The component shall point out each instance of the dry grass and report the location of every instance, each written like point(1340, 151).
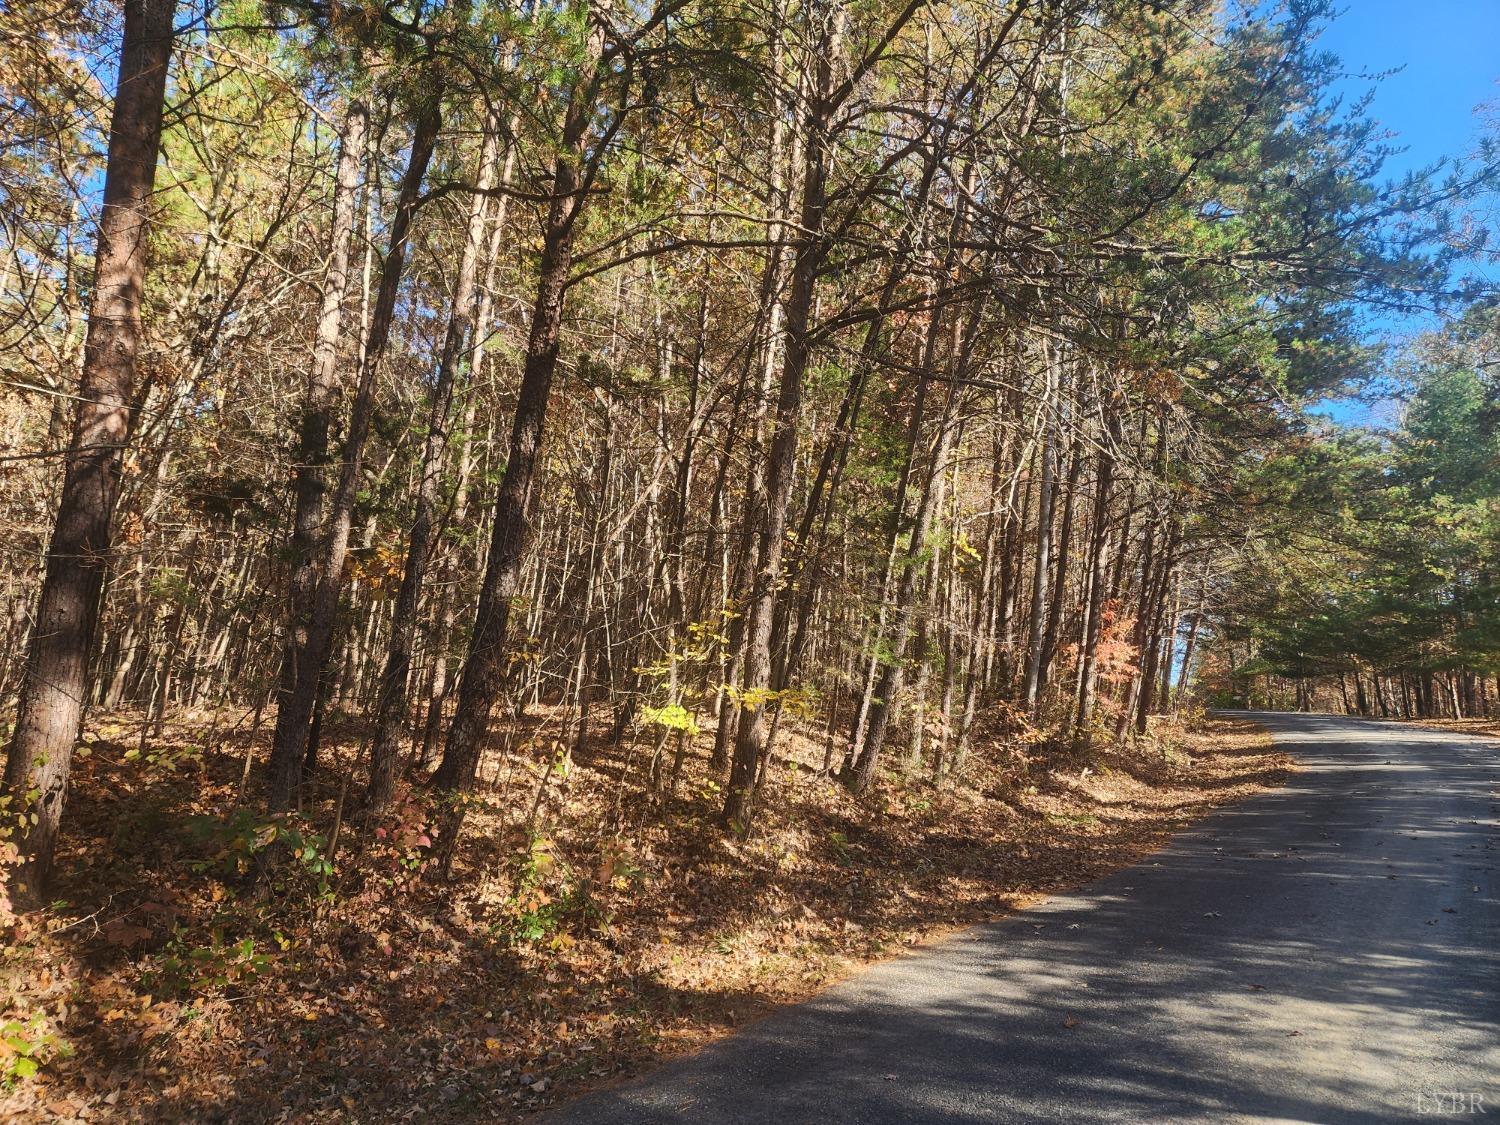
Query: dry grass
point(623, 927)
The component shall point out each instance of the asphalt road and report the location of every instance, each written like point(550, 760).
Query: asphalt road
point(1323, 953)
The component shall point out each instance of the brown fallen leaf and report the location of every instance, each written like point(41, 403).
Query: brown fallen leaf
point(1070, 1022)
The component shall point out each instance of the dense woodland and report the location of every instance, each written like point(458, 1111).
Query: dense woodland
point(701, 369)
point(686, 380)
point(1383, 598)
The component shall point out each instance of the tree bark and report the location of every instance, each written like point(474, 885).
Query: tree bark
point(392, 698)
point(753, 703)
point(313, 460)
point(300, 685)
point(510, 537)
point(51, 704)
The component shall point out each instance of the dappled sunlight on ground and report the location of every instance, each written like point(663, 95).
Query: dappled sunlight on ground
point(630, 928)
point(1323, 953)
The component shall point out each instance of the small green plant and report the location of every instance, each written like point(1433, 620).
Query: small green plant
point(168, 758)
point(840, 845)
point(543, 898)
point(188, 968)
point(28, 1044)
point(246, 842)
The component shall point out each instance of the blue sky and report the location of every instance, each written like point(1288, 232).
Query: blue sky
point(1449, 55)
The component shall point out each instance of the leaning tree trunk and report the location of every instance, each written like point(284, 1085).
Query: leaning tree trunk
point(392, 697)
point(52, 695)
point(893, 670)
point(751, 730)
point(294, 715)
point(313, 462)
point(484, 667)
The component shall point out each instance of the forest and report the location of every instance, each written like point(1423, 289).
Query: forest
point(1391, 607)
point(466, 464)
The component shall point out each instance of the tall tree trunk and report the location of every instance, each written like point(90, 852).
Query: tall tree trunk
point(1052, 634)
point(452, 564)
point(309, 659)
point(313, 459)
point(56, 684)
point(1154, 609)
point(769, 507)
point(1188, 649)
point(1168, 647)
point(783, 156)
point(1088, 673)
point(752, 733)
point(1042, 564)
point(983, 620)
point(391, 701)
point(510, 536)
point(836, 450)
point(892, 675)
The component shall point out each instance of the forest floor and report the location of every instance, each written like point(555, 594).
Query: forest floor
point(590, 926)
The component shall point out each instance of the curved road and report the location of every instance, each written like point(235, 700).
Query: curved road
point(1323, 953)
